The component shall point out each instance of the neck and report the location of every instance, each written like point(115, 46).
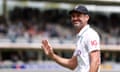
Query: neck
point(79, 29)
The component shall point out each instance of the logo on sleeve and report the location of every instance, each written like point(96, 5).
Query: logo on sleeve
point(94, 43)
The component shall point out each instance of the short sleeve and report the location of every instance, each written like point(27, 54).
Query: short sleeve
point(75, 52)
point(93, 42)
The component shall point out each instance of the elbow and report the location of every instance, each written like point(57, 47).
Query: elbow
point(72, 64)
point(72, 68)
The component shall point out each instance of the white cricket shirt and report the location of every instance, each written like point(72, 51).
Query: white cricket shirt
point(87, 41)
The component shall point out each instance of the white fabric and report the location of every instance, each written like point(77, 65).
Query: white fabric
point(87, 41)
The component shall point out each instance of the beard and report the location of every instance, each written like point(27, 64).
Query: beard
point(77, 25)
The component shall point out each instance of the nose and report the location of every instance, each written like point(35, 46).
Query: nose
point(74, 18)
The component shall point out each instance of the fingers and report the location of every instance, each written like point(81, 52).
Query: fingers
point(45, 44)
point(46, 47)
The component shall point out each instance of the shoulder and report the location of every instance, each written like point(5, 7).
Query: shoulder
point(91, 30)
point(91, 33)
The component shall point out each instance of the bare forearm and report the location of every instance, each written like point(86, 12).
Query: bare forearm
point(63, 61)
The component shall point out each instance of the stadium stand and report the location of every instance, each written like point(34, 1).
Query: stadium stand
point(20, 38)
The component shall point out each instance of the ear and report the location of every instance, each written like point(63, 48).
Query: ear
point(87, 17)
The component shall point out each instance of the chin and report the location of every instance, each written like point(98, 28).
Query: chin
point(77, 25)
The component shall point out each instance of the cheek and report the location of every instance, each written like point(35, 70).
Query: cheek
point(84, 19)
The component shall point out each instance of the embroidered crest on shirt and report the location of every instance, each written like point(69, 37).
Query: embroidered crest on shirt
point(93, 42)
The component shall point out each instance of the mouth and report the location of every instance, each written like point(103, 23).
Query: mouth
point(76, 22)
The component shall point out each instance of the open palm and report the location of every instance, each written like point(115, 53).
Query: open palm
point(47, 48)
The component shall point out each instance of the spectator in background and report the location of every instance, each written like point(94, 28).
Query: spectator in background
point(51, 29)
point(12, 33)
point(3, 30)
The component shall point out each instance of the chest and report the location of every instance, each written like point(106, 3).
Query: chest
point(81, 44)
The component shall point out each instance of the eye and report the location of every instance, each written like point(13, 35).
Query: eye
point(80, 15)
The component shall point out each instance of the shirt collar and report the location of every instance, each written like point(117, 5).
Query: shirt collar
point(83, 30)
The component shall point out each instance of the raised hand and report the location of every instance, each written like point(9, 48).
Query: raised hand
point(47, 48)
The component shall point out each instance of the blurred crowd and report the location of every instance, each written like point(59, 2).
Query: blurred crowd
point(33, 23)
point(29, 22)
point(55, 23)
